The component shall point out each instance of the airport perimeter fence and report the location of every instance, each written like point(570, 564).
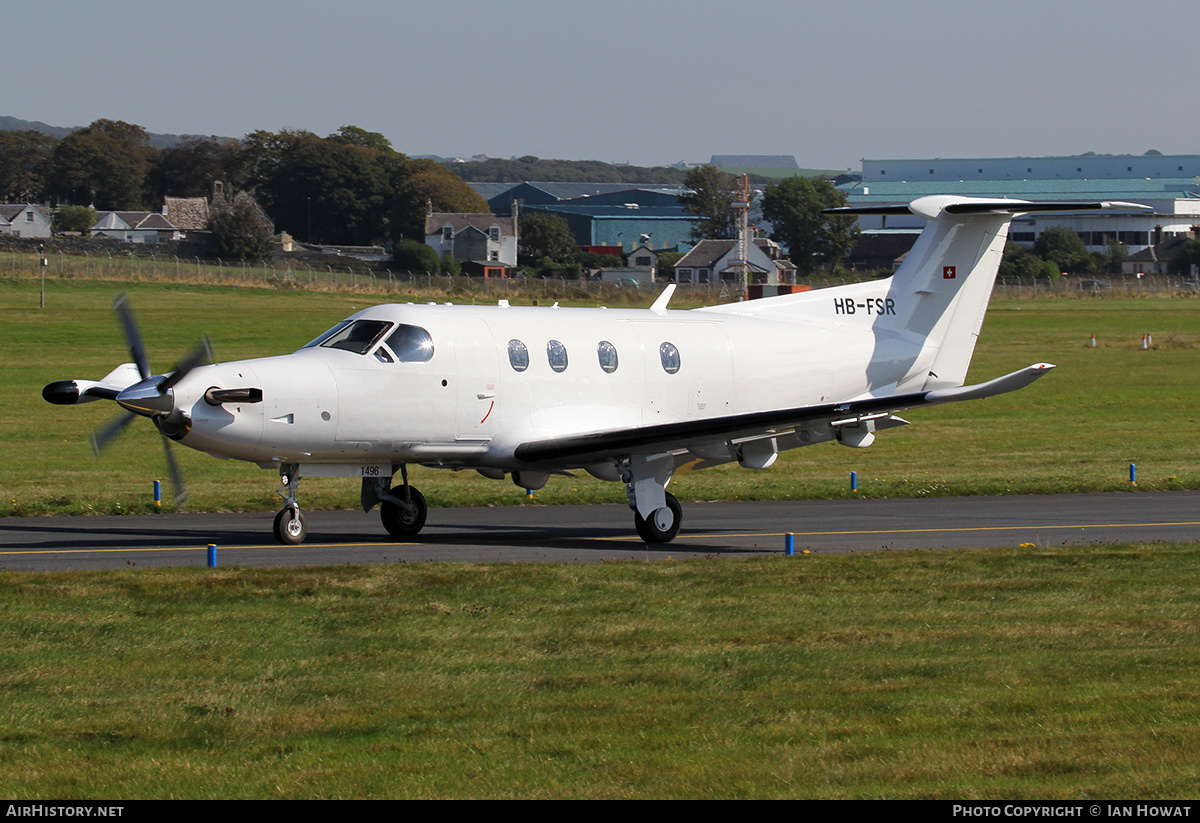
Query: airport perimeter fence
point(294, 275)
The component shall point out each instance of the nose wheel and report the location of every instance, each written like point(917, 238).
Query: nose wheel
point(290, 527)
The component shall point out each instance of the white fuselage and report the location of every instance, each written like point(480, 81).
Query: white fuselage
point(469, 405)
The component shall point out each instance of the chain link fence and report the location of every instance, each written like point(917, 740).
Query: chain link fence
point(122, 266)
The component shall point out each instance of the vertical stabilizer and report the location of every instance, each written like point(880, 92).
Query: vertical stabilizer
point(941, 291)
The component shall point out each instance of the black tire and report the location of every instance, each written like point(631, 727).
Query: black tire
point(649, 531)
point(400, 522)
point(290, 527)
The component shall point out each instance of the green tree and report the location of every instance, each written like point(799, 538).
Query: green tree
point(417, 184)
point(329, 192)
point(74, 218)
point(1110, 261)
point(1065, 248)
point(415, 256)
point(710, 199)
point(24, 163)
point(240, 231)
point(188, 169)
point(104, 165)
point(666, 263)
point(814, 240)
point(543, 238)
point(363, 139)
point(1188, 256)
point(1019, 263)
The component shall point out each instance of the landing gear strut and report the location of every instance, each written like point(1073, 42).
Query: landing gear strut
point(290, 526)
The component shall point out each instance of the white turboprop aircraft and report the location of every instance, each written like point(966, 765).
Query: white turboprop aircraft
point(629, 396)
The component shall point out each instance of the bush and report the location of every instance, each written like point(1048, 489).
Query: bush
point(415, 256)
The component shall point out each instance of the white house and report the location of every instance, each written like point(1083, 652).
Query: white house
point(136, 226)
point(711, 261)
point(486, 242)
point(24, 220)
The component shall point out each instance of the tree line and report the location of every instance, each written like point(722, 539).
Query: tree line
point(349, 188)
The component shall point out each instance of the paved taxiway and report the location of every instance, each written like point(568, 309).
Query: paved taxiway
point(581, 534)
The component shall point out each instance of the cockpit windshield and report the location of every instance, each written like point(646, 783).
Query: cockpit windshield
point(357, 336)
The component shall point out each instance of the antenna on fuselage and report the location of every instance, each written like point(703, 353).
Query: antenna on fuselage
point(660, 305)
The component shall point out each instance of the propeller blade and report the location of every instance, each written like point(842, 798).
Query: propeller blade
point(132, 336)
point(102, 437)
point(180, 490)
point(200, 355)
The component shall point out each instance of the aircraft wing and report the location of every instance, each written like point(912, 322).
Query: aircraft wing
point(597, 446)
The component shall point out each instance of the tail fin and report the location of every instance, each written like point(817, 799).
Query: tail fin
point(941, 291)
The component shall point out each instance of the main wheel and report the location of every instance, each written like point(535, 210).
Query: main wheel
point(663, 524)
point(405, 519)
point(290, 527)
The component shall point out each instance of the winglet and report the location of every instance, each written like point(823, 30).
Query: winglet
point(660, 305)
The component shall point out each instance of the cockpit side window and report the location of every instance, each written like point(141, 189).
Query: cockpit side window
point(411, 344)
point(358, 336)
point(325, 335)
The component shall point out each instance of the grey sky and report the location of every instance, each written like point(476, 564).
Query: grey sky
point(645, 82)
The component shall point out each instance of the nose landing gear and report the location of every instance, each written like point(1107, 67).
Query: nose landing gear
point(290, 526)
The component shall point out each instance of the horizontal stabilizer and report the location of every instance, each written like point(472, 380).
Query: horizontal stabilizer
point(934, 205)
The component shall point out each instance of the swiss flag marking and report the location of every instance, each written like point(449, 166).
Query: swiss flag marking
point(947, 272)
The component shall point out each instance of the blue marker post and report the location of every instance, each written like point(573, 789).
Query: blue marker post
point(1133, 472)
point(212, 555)
point(789, 544)
point(157, 493)
point(853, 481)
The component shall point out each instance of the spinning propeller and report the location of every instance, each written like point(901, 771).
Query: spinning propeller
point(152, 396)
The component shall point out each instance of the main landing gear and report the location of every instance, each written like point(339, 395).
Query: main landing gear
point(657, 515)
point(402, 509)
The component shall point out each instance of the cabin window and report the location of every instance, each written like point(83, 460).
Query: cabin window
point(358, 336)
point(412, 344)
point(556, 353)
point(518, 355)
point(670, 357)
point(607, 353)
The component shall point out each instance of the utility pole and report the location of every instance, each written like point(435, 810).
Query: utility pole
point(42, 263)
point(742, 207)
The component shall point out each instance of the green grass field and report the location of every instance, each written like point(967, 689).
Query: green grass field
point(1077, 429)
point(1018, 673)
